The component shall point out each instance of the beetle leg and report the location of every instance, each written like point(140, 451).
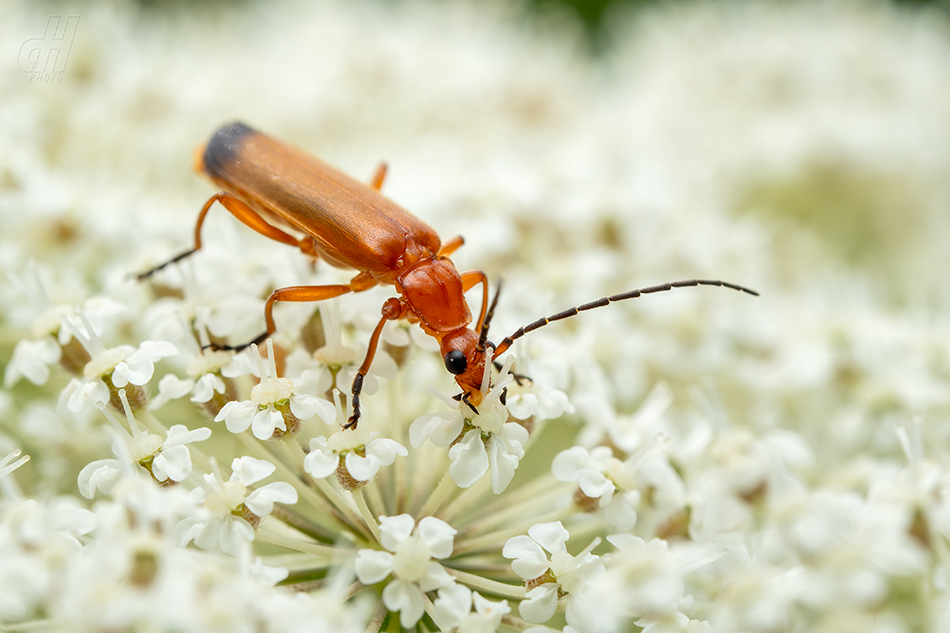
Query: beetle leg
point(242, 212)
point(451, 246)
point(379, 176)
point(291, 293)
point(392, 310)
point(469, 280)
point(470, 405)
point(362, 281)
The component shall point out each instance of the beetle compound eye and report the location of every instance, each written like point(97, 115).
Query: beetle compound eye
point(456, 362)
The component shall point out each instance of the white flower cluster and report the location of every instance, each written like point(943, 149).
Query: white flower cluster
point(691, 461)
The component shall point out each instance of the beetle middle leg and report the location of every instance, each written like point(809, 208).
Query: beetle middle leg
point(451, 246)
point(379, 176)
point(359, 283)
point(248, 217)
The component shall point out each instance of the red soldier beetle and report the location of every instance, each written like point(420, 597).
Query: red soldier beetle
point(266, 183)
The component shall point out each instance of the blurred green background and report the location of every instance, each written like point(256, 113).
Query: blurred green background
point(593, 16)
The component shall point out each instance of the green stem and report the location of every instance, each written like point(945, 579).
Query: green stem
point(367, 515)
point(515, 592)
point(515, 509)
point(438, 496)
point(304, 491)
point(375, 500)
point(499, 537)
point(329, 492)
point(300, 545)
point(466, 500)
point(379, 616)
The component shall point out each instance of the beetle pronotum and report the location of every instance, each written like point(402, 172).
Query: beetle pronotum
point(348, 224)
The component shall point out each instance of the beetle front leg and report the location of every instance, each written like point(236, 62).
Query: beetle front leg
point(392, 310)
point(470, 279)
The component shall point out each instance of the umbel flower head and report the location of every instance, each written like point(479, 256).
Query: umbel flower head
point(354, 454)
point(688, 462)
point(478, 441)
point(411, 549)
point(275, 408)
point(230, 510)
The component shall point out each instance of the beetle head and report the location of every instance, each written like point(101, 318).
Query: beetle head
point(463, 352)
point(463, 358)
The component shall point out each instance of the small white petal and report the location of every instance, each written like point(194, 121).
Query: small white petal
point(505, 455)
point(495, 610)
point(452, 606)
point(373, 565)
point(395, 530)
point(237, 415)
point(442, 428)
point(304, 406)
point(316, 381)
point(249, 470)
point(197, 528)
point(266, 422)
point(620, 513)
point(240, 365)
point(171, 387)
point(232, 534)
point(154, 351)
point(385, 450)
point(82, 392)
point(529, 559)
point(540, 603)
point(523, 405)
point(140, 365)
point(261, 501)
point(205, 387)
point(469, 459)
point(406, 598)
point(31, 359)
point(266, 574)
point(582, 614)
point(173, 463)
point(320, 462)
point(100, 475)
point(180, 434)
point(121, 374)
point(438, 536)
point(594, 483)
point(555, 404)
point(436, 576)
point(566, 464)
point(361, 468)
point(551, 536)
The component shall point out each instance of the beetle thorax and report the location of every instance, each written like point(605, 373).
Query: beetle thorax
point(432, 289)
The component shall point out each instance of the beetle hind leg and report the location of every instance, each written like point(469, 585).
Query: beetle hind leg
point(249, 217)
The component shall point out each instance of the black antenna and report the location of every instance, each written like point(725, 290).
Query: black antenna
point(632, 294)
point(483, 335)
